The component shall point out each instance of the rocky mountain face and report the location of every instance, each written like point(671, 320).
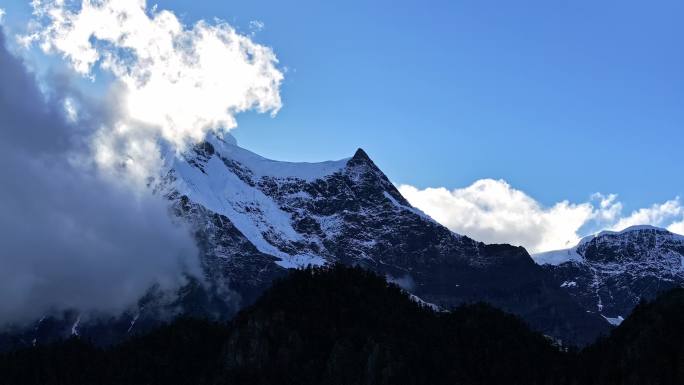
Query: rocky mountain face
point(609, 273)
point(255, 218)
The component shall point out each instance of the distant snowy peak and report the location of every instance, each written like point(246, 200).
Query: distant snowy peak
point(610, 272)
point(633, 243)
point(631, 233)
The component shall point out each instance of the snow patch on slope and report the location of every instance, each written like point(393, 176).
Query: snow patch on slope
point(615, 321)
point(420, 301)
point(250, 210)
point(74, 327)
point(556, 257)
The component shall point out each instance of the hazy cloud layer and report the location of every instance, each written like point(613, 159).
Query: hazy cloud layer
point(495, 212)
point(71, 239)
point(174, 82)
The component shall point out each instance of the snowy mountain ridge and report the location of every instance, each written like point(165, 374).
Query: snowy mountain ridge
point(255, 218)
point(556, 257)
point(610, 272)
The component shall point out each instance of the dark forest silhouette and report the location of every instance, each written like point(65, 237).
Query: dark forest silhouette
point(345, 325)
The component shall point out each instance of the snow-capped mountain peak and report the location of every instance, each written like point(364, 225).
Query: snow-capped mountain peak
point(290, 210)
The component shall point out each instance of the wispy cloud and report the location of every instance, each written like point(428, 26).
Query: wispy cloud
point(493, 211)
point(256, 26)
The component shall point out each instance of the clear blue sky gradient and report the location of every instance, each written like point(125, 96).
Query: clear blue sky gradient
point(560, 98)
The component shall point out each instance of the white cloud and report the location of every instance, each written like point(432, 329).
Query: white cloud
point(656, 215)
point(175, 82)
point(492, 211)
point(2, 14)
point(677, 227)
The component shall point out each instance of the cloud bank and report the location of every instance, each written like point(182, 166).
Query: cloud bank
point(173, 82)
point(494, 212)
point(71, 238)
point(81, 230)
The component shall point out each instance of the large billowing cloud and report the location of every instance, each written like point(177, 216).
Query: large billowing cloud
point(493, 211)
point(174, 82)
point(71, 239)
point(80, 228)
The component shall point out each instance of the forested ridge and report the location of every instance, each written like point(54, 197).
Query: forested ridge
point(345, 325)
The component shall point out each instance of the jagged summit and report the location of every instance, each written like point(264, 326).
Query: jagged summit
point(361, 156)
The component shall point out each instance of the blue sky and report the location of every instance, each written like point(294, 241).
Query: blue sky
point(560, 99)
